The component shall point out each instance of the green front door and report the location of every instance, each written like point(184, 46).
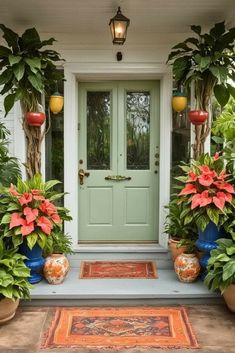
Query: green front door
point(118, 147)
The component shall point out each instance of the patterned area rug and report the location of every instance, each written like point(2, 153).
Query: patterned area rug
point(120, 327)
point(115, 269)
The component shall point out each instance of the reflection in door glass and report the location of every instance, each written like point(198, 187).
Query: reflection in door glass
point(98, 130)
point(138, 129)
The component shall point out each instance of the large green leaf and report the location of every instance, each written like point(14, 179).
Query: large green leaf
point(34, 62)
point(19, 70)
point(231, 90)
point(9, 102)
point(229, 270)
point(213, 215)
point(32, 239)
point(221, 73)
point(36, 82)
point(179, 67)
point(14, 59)
point(217, 30)
point(196, 29)
point(4, 52)
point(10, 36)
point(5, 76)
point(221, 94)
point(31, 38)
point(49, 184)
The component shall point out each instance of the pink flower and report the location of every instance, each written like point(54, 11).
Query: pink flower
point(12, 191)
point(37, 195)
point(48, 207)
point(16, 220)
point(219, 200)
point(189, 189)
point(207, 171)
point(25, 198)
point(205, 179)
point(192, 177)
point(56, 218)
point(27, 228)
point(31, 214)
point(201, 200)
point(45, 224)
point(216, 156)
point(224, 186)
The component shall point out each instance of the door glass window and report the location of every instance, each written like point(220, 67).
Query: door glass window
point(98, 129)
point(138, 129)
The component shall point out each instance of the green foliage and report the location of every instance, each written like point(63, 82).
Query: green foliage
point(58, 243)
point(207, 59)
point(9, 166)
point(13, 274)
point(221, 266)
point(27, 68)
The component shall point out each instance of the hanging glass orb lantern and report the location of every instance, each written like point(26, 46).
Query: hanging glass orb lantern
point(179, 101)
point(56, 103)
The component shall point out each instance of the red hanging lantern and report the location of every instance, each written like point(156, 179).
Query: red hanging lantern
point(198, 117)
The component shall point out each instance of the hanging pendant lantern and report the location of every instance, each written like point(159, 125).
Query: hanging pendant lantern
point(179, 101)
point(118, 26)
point(56, 103)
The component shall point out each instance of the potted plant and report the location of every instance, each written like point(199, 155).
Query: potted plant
point(56, 264)
point(208, 196)
point(28, 216)
point(221, 270)
point(208, 61)
point(28, 71)
point(14, 283)
point(182, 235)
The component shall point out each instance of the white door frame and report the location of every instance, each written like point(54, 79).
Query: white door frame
point(113, 71)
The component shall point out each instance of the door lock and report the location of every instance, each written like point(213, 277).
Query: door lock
point(82, 174)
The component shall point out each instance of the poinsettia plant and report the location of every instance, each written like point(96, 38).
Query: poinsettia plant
point(28, 211)
point(207, 192)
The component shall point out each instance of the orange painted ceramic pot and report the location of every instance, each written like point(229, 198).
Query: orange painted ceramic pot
point(56, 268)
point(187, 267)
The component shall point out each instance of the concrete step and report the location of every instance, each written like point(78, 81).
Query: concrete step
point(167, 289)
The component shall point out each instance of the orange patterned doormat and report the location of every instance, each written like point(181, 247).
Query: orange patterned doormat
point(118, 269)
point(120, 327)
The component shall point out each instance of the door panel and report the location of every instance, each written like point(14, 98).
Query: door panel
point(118, 141)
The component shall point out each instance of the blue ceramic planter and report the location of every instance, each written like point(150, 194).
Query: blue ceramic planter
point(207, 242)
point(34, 262)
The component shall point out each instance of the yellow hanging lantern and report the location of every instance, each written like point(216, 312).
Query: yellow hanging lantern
point(56, 102)
point(179, 102)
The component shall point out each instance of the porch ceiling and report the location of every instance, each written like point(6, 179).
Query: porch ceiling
point(92, 16)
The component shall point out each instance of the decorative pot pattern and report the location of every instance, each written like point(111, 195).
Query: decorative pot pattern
point(187, 267)
point(55, 268)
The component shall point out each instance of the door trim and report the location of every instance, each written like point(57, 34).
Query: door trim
point(111, 71)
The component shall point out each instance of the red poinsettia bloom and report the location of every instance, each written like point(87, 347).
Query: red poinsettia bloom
point(192, 177)
point(216, 156)
point(205, 179)
point(12, 191)
point(25, 198)
point(189, 189)
point(225, 186)
point(222, 175)
point(31, 214)
point(45, 224)
point(56, 218)
point(16, 220)
point(27, 228)
point(201, 200)
point(48, 207)
point(219, 200)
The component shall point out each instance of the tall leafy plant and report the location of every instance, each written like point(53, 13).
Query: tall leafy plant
point(28, 71)
point(208, 60)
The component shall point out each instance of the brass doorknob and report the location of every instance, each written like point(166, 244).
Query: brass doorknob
point(82, 174)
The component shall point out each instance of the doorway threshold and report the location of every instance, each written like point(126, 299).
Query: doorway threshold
point(120, 248)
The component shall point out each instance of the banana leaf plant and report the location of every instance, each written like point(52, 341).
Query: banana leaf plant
point(208, 60)
point(28, 72)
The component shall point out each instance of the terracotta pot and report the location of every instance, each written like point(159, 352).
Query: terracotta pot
point(35, 118)
point(187, 267)
point(7, 309)
point(56, 268)
point(229, 297)
point(174, 250)
point(198, 117)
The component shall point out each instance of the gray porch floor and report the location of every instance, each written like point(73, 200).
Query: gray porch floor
point(164, 290)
